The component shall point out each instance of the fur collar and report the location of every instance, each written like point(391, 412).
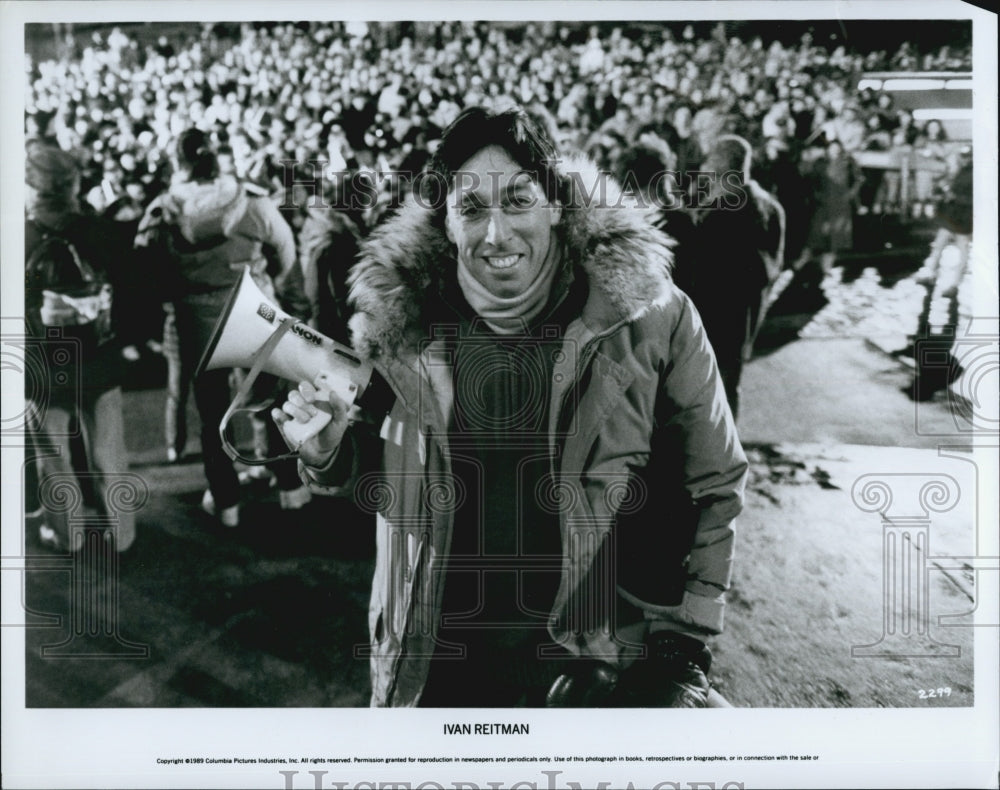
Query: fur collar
point(397, 286)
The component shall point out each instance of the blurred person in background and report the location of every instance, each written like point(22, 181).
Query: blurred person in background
point(905, 127)
point(648, 169)
point(954, 219)
point(328, 246)
point(886, 111)
point(877, 138)
point(778, 171)
point(196, 238)
point(889, 196)
point(929, 167)
point(74, 270)
point(834, 181)
point(937, 326)
point(736, 252)
point(847, 128)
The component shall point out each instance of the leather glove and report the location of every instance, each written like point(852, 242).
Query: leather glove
point(584, 684)
point(672, 675)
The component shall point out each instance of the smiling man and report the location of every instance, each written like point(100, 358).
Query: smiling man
point(502, 227)
point(557, 470)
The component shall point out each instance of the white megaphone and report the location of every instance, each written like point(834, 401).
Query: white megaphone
point(253, 332)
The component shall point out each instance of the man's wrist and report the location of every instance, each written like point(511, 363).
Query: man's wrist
point(321, 460)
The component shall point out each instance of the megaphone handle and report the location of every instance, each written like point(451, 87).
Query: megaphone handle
point(298, 432)
point(243, 393)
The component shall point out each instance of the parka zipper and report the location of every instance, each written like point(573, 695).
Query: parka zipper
point(413, 571)
point(415, 575)
point(586, 355)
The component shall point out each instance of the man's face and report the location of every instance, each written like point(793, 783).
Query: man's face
point(500, 221)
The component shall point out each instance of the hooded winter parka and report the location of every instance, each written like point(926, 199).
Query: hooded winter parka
point(649, 470)
point(199, 235)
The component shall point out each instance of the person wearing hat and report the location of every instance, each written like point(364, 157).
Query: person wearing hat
point(556, 472)
point(71, 287)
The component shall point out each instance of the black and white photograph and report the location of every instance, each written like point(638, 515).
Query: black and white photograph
point(613, 386)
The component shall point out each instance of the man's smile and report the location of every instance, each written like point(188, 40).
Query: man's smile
point(502, 263)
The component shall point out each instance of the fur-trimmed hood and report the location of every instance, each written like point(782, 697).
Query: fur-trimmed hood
point(406, 265)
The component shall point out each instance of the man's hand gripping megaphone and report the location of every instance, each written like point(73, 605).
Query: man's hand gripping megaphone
point(313, 419)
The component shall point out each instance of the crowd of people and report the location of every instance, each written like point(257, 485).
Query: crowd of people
point(372, 96)
point(270, 99)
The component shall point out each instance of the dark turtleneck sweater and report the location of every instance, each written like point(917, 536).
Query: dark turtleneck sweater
point(506, 550)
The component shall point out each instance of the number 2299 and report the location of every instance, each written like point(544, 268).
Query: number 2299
point(934, 693)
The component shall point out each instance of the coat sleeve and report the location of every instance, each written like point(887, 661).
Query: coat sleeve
point(714, 469)
point(338, 476)
point(275, 233)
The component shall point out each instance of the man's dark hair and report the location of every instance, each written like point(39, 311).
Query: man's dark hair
point(194, 151)
point(476, 128)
